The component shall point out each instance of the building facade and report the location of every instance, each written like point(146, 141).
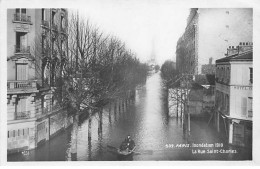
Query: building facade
point(208, 33)
point(36, 38)
point(233, 100)
point(208, 69)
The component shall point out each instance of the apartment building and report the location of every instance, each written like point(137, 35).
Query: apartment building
point(36, 40)
point(234, 97)
point(208, 33)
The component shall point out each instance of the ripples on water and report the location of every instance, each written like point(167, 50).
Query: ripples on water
point(145, 120)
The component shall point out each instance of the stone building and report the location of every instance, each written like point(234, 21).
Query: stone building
point(208, 33)
point(32, 47)
point(233, 99)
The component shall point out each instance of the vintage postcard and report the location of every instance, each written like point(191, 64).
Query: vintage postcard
point(129, 81)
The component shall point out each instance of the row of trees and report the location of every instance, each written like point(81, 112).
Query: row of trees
point(177, 88)
point(88, 70)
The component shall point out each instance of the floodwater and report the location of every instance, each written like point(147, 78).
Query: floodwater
point(157, 136)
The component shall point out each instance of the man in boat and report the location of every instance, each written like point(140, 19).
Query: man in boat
point(130, 142)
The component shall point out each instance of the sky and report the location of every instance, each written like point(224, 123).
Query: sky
point(145, 27)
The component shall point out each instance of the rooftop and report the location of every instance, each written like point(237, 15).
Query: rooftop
point(246, 56)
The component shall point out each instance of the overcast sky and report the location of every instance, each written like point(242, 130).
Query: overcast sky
point(140, 25)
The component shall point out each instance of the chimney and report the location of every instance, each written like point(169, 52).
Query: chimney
point(245, 46)
point(232, 50)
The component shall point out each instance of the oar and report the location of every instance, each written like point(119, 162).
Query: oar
point(149, 152)
point(111, 147)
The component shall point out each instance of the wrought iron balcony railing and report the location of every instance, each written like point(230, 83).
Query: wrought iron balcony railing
point(21, 84)
point(22, 18)
point(21, 49)
point(22, 115)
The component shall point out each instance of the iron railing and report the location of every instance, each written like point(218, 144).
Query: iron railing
point(21, 84)
point(21, 49)
point(22, 115)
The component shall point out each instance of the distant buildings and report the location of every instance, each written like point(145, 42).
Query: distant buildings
point(208, 68)
point(32, 47)
point(207, 35)
point(233, 99)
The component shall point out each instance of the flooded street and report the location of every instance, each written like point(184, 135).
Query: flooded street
point(154, 133)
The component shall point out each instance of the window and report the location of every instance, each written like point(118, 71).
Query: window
point(21, 72)
point(250, 107)
point(243, 106)
point(228, 75)
point(21, 42)
point(53, 17)
point(20, 105)
point(43, 14)
point(227, 103)
point(62, 23)
point(23, 11)
point(251, 75)
point(20, 11)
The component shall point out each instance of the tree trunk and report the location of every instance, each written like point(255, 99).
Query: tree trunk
point(115, 111)
point(119, 106)
point(177, 103)
point(181, 105)
point(74, 137)
point(89, 125)
point(109, 112)
point(100, 121)
point(167, 100)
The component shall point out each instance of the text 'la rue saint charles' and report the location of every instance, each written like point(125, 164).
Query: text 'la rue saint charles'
point(203, 148)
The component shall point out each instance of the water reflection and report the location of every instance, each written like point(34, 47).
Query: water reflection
point(145, 119)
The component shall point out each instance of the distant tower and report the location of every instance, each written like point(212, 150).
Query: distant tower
point(152, 61)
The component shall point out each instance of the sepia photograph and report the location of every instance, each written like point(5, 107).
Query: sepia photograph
point(128, 81)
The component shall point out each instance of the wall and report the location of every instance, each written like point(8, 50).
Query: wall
point(218, 30)
point(240, 73)
point(26, 138)
point(236, 96)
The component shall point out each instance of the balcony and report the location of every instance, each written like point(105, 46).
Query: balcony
point(22, 18)
point(21, 86)
point(45, 23)
point(22, 115)
point(22, 49)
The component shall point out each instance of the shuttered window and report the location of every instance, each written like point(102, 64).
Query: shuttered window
point(21, 105)
point(250, 107)
point(21, 72)
point(243, 106)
